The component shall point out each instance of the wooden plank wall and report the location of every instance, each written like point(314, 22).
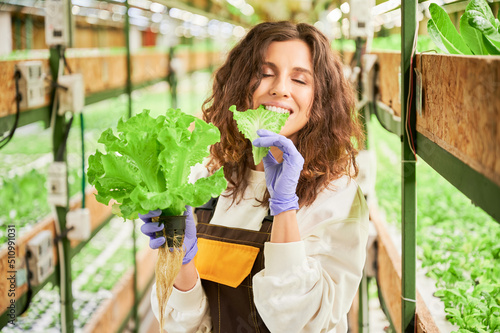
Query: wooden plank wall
point(389, 279)
point(461, 110)
point(111, 314)
point(388, 78)
point(461, 105)
point(103, 72)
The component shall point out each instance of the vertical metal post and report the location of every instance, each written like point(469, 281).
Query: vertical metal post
point(129, 61)
point(135, 312)
point(363, 321)
point(64, 265)
point(364, 112)
point(191, 71)
point(136, 291)
point(17, 29)
point(172, 78)
point(28, 31)
point(408, 169)
point(71, 23)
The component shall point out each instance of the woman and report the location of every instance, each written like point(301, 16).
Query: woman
point(282, 250)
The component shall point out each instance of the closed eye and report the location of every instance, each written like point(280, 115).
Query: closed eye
point(299, 81)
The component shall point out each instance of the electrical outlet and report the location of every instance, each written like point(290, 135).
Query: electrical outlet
point(57, 22)
point(57, 184)
point(40, 257)
point(79, 220)
point(360, 18)
point(72, 98)
point(31, 84)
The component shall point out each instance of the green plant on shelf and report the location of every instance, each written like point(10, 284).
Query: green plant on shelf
point(457, 242)
point(388, 43)
point(43, 314)
point(22, 201)
point(479, 30)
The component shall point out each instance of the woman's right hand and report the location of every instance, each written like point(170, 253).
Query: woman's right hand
point(190, 243)
point(150, 228)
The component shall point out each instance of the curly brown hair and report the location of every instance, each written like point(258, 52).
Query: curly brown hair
point(330, 140)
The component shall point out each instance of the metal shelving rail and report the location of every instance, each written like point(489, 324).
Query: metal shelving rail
point(480, 187)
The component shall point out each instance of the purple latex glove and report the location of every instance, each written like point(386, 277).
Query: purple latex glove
point(190, 244)
point(281, 178)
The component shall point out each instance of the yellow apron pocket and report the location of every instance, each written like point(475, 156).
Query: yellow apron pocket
point(224, 263)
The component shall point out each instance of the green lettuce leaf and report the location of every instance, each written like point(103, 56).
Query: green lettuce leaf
point(472, 36)
point(251, 120)
point(482, 7)
point(443, 32)
point(148, 162)
point(491, 36)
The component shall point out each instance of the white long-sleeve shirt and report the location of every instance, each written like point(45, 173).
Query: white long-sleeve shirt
point(306, 286)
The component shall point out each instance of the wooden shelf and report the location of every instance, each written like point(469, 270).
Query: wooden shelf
point(103, 73)
point(461, 110)
point(114, 311)
point(99, 214)
point(389, 280)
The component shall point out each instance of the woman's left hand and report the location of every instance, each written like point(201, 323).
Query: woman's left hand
point(281, 178)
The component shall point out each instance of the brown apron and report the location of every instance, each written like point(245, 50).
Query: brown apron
point(227, 260)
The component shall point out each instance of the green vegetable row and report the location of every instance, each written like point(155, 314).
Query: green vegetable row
point(43, 313)
point(457, 242)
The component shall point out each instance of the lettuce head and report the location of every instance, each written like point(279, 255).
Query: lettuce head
point(251, 120)
point(147, 162)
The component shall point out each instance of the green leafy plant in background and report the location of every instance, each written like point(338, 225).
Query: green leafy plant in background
point(147, 165)
point(457, 242)
point(479, 30)
point(252, 120)
point(388, 43)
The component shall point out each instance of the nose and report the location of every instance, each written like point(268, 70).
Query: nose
point(280, 88)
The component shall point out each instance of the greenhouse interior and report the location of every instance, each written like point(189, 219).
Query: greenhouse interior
point(425, 83)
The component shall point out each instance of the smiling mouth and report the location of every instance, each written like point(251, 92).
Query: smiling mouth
point(278, 109)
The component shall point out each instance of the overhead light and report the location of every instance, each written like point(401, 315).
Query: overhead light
point(237, 3)
point(175, 13)
point(319, 25)
point(119, 9)
point(239, 31)
point(156, 17)
point(104, 15)
point(247, 10)
point(83, 3)
point(334, 15)
point(385, 7)
point(199, 20)
point(156, 7)
point(345, 7)
point(134, 12)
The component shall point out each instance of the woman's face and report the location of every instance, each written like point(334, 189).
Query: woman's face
point(287, 84)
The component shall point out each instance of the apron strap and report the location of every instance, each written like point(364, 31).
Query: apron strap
point(205, 212)
point(267, 223)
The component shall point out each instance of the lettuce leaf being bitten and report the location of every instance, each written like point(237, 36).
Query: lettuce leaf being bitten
point(251, 120)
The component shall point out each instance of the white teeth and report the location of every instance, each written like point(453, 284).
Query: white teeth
point(277, 109)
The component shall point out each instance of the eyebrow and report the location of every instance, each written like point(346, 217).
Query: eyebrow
point(297, 69)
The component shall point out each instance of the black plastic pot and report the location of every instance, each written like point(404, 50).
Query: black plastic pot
point(174, 227)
